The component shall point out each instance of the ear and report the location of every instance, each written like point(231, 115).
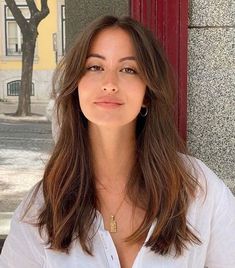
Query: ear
point(146, 100)
point(143, 105)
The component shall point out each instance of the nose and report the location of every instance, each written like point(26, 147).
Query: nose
point(110, 83)
point(110, 89)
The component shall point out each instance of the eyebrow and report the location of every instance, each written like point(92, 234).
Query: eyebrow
point(95, 55)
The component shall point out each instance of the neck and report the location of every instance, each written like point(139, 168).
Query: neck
point(113, 156)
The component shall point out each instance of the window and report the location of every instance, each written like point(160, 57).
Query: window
point(63, 28)
point(13, 88)
point(13, 34)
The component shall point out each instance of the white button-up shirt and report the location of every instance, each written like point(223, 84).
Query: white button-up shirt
point(212, 218)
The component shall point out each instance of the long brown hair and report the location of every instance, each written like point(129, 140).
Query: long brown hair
point(160, 181)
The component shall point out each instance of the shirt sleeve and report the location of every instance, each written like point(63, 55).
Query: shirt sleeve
point(23, 247)
point(221, 249)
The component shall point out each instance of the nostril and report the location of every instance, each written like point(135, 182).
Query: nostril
point(113, 89)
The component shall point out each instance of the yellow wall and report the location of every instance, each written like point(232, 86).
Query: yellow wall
point(45, 56)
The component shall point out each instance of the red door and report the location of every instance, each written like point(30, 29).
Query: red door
point(169, 22)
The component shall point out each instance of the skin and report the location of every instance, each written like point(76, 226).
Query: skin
point(111, 94)
point(112, 126)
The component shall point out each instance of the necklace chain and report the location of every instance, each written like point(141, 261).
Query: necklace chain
point(112, 218)
point(113, 222)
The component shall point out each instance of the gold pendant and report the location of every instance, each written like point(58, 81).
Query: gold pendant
point(113, 224)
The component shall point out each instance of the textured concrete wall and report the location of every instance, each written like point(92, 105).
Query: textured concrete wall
point(80, 12)
point(211, 92)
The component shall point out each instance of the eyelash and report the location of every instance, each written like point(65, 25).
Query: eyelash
point(130, 70)
point(95, 68)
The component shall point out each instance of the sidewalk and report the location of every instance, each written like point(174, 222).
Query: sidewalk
point(7, 110)
point(24, 151)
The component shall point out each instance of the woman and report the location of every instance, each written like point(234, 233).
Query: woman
point(119, 189)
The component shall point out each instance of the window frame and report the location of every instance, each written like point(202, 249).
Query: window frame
point(62, 18)
point(60, 33)
point(6, 20)
point(19, 81)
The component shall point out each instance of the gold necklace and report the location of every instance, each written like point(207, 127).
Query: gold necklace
point(113, 221)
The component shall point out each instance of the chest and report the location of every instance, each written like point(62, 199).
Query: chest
point(106, 256)
point(127, 251)
point(111, 252)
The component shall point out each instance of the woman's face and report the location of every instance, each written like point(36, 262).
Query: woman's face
point(111, 92)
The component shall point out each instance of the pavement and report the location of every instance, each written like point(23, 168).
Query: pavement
point(7, 110)
point(25, 147)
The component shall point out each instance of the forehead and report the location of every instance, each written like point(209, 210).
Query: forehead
point(113, 40)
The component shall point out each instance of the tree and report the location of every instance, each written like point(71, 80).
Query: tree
point(29, 32)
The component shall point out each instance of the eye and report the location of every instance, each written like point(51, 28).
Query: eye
point(129, 70)
point(94, 68)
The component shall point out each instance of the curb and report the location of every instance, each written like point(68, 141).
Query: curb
point(23, 119)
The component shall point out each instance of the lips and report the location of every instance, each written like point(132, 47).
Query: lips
point(108, 102)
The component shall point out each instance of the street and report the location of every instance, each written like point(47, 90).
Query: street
point(25, 136)
point(24, 151)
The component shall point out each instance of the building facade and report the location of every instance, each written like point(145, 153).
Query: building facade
point(49, 49)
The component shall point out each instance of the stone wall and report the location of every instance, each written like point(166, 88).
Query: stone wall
point(211, 87)
point(81, 12)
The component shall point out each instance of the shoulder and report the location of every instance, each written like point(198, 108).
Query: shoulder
point(31, 204)
point(213, 185)
point(24, 246)
point(212, 213)
point(213, 200)
point(214, 203)
point(210, 183)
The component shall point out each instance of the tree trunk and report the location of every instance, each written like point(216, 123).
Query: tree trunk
point(24, 108)
point(29, 31)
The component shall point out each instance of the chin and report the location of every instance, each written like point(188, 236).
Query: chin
point(112, 123)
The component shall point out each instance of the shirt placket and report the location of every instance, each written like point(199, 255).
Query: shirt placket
point(110, 249)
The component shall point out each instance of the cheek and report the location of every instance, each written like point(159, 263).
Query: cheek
point(82, 94)
point(136, 92)
point(84, 87)
point(83, 83)
point(83, 101)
